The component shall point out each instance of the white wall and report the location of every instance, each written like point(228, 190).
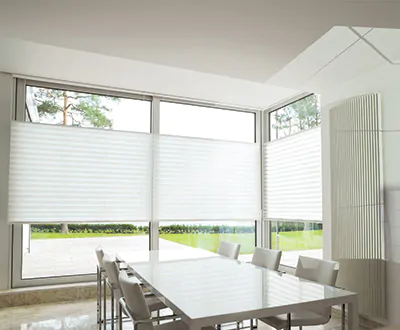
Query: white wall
point(6, 94)
point(79, 67)
point(385, 80)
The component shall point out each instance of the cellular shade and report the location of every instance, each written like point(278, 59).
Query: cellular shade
point(74, 174)
point(292, 177)
point(200, 179)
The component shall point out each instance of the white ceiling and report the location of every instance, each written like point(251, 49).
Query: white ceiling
point(341, 56)
point(253, 42)
point(250, 40)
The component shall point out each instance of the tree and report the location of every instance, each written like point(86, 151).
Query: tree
point(298, 116)
point(73, 108)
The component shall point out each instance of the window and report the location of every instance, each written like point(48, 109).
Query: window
point(295, 117)
point(86, 170)
point(53, 250)
point(50, 253)
point(71, 108)
point(208, 123)
point(208, 235)
point(296, 238)
point(292, 180)
point(205, 122)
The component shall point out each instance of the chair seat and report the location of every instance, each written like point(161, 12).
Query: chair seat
point(154, 303)
point(177, 325)
point(134, 279)
point(306, 318)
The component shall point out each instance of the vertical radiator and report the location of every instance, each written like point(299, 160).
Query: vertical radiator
point(357, 201)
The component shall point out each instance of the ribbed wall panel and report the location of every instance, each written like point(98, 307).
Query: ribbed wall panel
point(357, 237)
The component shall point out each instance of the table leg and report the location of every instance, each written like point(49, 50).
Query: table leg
point(353, 317)
point(289, 321)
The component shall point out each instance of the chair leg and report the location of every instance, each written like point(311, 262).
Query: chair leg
point(112, 310)
point(251, 324)
point(105, 303)
point(119, 311)
point(98, 298)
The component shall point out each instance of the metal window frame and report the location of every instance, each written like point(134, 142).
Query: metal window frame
point(19, 115)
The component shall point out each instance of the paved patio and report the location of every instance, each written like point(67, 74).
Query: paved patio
point(74, 256)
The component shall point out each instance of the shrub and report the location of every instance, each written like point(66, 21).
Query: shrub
point(127, 228)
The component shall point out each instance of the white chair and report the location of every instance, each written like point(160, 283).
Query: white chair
point(134, 305)
point(112, 271)
point(229, 250)
point(266, 258)
point(102, 288)
point(316, 270)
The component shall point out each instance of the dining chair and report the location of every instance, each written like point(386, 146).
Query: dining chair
point(228, 249)
point(112, 271)
point(311, 269)
point(136, 308)
point(102, 284)
point(266, 258)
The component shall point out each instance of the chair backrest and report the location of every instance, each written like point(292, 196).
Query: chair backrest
point(317, 270)
point(230, 250)
point(136, 305)
point(100, 255)
point(112, 271)
point(267, 258)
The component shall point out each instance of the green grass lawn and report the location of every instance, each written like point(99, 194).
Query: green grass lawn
point(288, 241)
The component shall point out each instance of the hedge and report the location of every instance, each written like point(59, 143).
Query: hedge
point(112, 228)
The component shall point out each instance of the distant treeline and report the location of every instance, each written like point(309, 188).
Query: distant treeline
point(113, 228)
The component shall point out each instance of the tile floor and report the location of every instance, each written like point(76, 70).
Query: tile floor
point(73, 315)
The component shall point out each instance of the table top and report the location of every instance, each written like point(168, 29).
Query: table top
point(202, 285)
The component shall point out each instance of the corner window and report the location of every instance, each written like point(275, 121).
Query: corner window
point(298, 116)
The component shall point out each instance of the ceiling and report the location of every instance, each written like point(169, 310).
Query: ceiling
point(254, 42)
point(250, 40)
point(343, 54)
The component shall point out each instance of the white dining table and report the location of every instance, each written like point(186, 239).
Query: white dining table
point(205, 289)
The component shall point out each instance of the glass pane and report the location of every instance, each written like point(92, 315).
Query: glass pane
point(47, 252)
point(60, 249)
point(296, 238)
point(295, 117)
point(207, 235)
point(204, 122)
point(61, 107)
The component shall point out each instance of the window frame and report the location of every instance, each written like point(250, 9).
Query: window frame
point(19, 114)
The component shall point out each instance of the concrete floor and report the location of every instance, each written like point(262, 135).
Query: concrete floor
point(75, 256)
